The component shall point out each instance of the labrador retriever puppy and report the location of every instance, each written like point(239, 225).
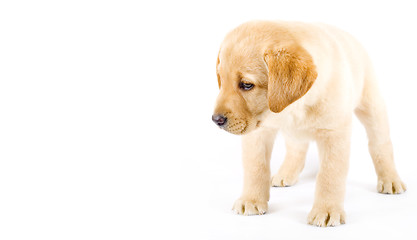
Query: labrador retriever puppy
point(306, 81)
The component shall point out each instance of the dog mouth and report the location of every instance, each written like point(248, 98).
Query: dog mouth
point(236, 125)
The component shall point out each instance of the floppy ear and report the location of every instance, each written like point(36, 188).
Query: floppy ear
point(291, 73)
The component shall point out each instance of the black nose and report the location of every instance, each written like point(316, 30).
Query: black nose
point(219, 119)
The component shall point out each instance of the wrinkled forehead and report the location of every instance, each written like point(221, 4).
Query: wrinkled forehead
point(241, 62)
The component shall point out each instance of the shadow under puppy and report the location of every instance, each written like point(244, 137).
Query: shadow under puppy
point(306, 81)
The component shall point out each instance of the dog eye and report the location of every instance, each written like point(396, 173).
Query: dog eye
point(246, 86)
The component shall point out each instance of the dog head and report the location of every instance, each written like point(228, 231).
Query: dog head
point(260, 68)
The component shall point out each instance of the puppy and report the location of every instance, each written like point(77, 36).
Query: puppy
point(306, 81)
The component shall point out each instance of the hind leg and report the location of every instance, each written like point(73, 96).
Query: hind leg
point(372, 114)
point(293, 164)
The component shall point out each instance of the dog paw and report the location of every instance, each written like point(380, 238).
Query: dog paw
point(283, 180)
point(322, 217)
point(247, 207)
point(391, 186)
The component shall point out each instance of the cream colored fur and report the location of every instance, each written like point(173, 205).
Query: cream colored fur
point(344, 84)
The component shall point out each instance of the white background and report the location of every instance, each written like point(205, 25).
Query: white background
point(106, 132)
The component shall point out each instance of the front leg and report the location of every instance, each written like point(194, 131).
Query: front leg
point(256, 155)
point(293, 164)
point(333, 149)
